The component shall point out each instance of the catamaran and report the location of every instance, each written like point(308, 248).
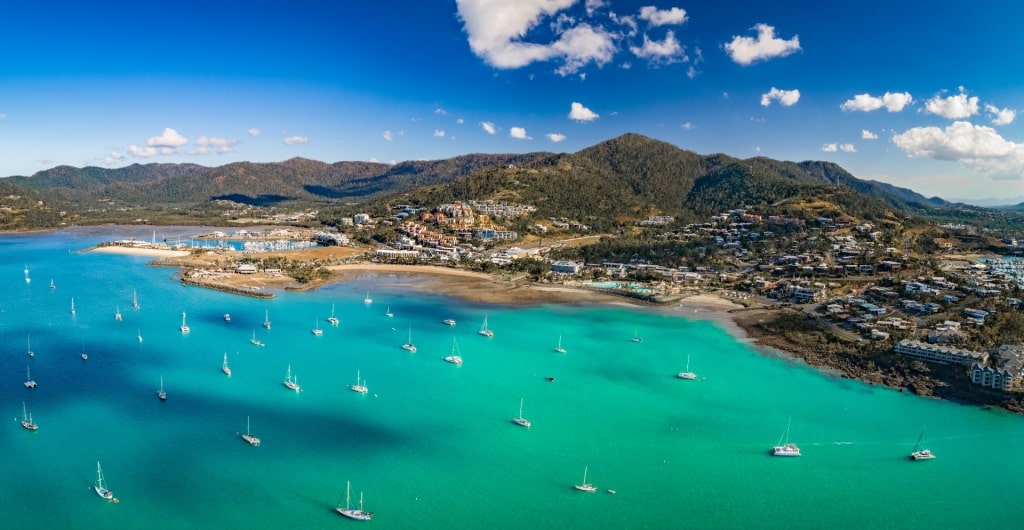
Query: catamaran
point(589, 488)
point(454, 358)
point(919, 453)
point(409, 346)
point(687, 374)
point(224, 367)
point(348, 510)
point(784, 448)
point(484, 331)
point(316, 328)
point(160, 393)
point(291, 382)
point(117, 314)
point(248, 437)
point(184, 326)
point(29, 382)
point(360, 386)
point(520, 420)
point(26, 419)
point(333, 319)
point(100, 489)
point(266, 319)
point(367, 300)
point(559, 348)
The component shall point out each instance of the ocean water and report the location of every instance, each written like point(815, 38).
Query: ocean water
point(432, 444)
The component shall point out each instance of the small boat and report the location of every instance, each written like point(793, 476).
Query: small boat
point(160, 393)
point(72, 307)
point(224, 366)
point(484, 331)
point(254, 341)
point(52, 285)
point(784, 448)
point(367, 300)
point(85, 356)
point(135, 299)
point(409, 346)
point(454, 358)
point(27, 279)
point(99, 487)
point(29, 382)
point(520, 420)
point(687, 374)
point(589, 488)
point(139, 336)
point(316, 328)
point(117, 314)
point(919, 453)
point(550, 379)
point(184, 326)
point(559, 348)
point(333, 319)
point(266, 319)
point(26, 419)
point(227, 317)
point(248, 437)
point(636, 338)
point(388, 313)
point(359, 386)
point(449, 321)
point(350, 512)
point(291, 382)
point(30, 352)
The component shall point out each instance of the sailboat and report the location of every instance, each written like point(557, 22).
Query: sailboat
point(589, 488)
point(248, 437)
point(266, 319)
point(30, 352)
point(52, 285)
point(348, 510)
point(27, 279)
point(636, 338)
point(367, 300)
point(784, 448)
point(316, 328)
point(85, 356)
point(559, 348)
point(359, 386)
point(409, 346)
point(139, 336)
point(135, 299)
point(184, 326)
point(160, 393)
point(99, 487)
point(227, 317)
point(454, 358)
point(919, 453)
point(117, 314)
point(29, 383)
point(333, 319)
point(72, 307)
point(520, 420)
point(484, 331)
point(224, 367)
point(254, 341)
point(291, 382)
point(449, 321)
point(687, 374)
point(26, 419)
point(388, 312)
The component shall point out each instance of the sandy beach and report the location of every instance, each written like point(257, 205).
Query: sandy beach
point(140, 251)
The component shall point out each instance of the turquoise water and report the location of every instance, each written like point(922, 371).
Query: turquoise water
point(432, 444)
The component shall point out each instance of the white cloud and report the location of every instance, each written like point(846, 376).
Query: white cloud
point(373, 160)
point(892, 101)
point(440, 112)
point(255, 132)
point(518, 133)
point(460, 121)
point(170, 138)
point(387, 135)
point(667, 51)
point(829, 148)
point(747, 50)
point(113, 157)
point(488, 126)
point(221, 145)
point(292, 140)
point(3, 116)
point(786, 98)
point(868, 135)
point(847, 148)
point(140, 152)
point(438, 133)
point(687, 126)
point(953, 107)
point(975, 146)
point(1001, 116)
point(497, 32)
point(593, 5)
point(578, 112)
point(658, 17)
point(555, 137)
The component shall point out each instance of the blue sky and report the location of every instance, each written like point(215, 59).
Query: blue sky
point(924, 95)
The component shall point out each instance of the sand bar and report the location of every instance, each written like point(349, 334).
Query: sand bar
point(140, 251)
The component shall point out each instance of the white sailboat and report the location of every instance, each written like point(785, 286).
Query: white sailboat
point(367, 300)
point(784, 448)
point(27, 279)
point(520, 420)
point(687, 374)
point(559, 348)
point(409, 346)
point(484, 331)
point(636, 337)
point(224, 366)
point(248, 437)
point(184, 326)
point(26, 419)
point(72, 307)
point(589, 488)
point(30, 352)
point(100, 488)
point(291, 382)
point(919, 453)
point(333, 319)
point(360, 386)
point(316, 328)
point(29, 382)
point(135, 299)
point(449, 321)
point(52, 285)
point(117, 314)
point(139, 335)
point(254, 341)
point(160, 393)
point(388, 312)
point(348, 511)
point(266, 319)
point(454, 358)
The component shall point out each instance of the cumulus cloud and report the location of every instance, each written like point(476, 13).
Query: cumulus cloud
point(666, 51)
point(687, 126)
point(142, 152)
point(292, 140)
point(847, 148)
point(954, 107)
point(387, 136)
point(578, 112)
point(488, 127)
point(662, 17)
point(440, 112)
point(830, 148)
point(786, 98)
point(220, 145)
point(555, 137)
point(868, 135)
point(497, 30)
point(1000, 116)
point(438, 133)
point(3, 116)
point(977, 147)
point(593, 5)
point(460, 121)
point(518, 133)
point(255, 132)
point(892, 101)
point(747, 50)
point(113, 158)
point(169, 139)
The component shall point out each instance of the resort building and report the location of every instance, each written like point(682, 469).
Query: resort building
point(938, 353)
